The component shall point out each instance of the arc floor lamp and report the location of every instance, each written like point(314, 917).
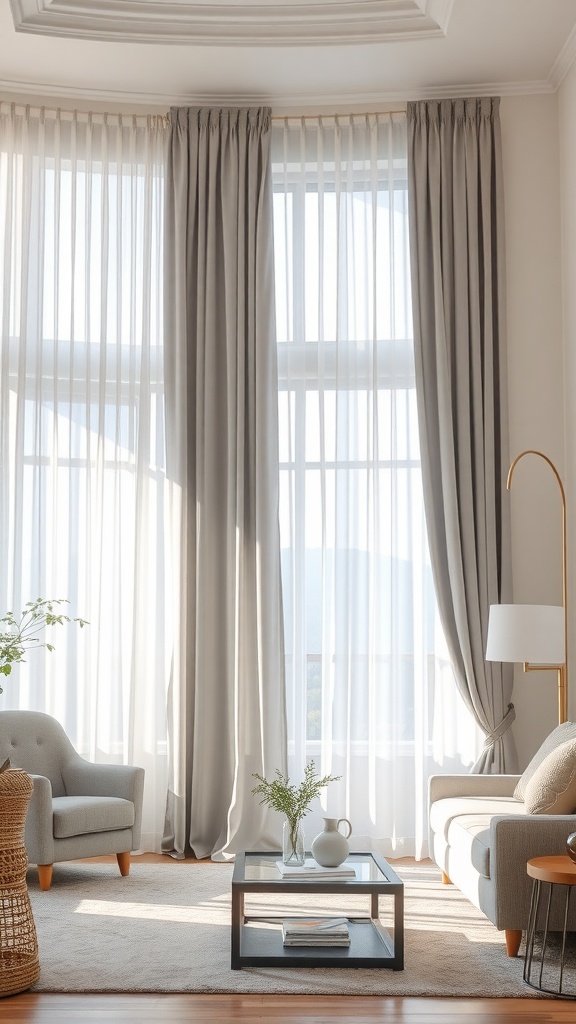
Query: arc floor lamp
point(536, 635)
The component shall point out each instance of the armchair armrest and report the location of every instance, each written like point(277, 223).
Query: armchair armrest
point(39, 835)
point(441, 786)
point(83, 778)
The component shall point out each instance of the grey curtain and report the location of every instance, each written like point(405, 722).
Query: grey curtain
point(457, 266)
point(226, 712)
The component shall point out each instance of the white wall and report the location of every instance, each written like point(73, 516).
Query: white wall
point(530, 153)
point(567, 139)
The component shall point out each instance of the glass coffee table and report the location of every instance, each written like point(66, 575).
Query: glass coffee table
point(257, 940)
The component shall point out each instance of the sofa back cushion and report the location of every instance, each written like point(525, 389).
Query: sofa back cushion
point(562, 733)
point(552, 788)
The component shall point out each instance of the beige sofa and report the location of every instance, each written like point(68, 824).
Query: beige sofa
point(483, 829)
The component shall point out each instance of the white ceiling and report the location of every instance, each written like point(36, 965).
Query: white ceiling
point(286, 53)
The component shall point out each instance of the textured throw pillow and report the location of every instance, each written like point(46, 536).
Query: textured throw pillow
point(566, 731)
point(552, 788)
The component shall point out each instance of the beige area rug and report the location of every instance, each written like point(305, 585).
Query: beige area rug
point(166, 928)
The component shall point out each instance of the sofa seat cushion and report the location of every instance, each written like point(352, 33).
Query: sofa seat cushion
point(79, 815)
point(464, 823)
point(443, 811)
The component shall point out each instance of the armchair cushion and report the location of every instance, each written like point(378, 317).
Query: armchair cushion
point(562, 733)
point(552, 788)
point(79, 815)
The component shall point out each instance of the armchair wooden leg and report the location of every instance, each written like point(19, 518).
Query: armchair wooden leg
point(513, 940)
point(445, 879)
point(45, 876)
point(123, 862)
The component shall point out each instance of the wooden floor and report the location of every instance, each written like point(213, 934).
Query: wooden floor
point(48, 1008)
point(255, 1009)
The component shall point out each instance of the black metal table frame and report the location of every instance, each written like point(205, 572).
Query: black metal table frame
point(377, 947)
point(531, 935)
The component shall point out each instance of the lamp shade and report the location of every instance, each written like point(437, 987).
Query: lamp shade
point(531, 633)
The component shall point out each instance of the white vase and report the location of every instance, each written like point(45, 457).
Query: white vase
point(330, 848)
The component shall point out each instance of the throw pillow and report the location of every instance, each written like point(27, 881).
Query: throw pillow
point(566, 731)
point(552, 788)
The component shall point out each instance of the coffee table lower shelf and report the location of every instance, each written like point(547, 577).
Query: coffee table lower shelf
point(370, 946)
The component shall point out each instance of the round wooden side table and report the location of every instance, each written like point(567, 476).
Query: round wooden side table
point(19, 964)
point(551, 871)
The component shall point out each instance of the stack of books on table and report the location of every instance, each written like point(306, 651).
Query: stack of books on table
point(316, 931)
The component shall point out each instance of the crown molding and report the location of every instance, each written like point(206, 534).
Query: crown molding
point(564, 60)
point(260, 23)
point(44, 93)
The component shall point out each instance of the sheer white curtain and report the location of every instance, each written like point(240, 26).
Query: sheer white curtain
point(84, 497)
point(371, 693)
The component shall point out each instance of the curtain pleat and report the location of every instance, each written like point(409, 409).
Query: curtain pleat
point(458, 287)
point(227, 717)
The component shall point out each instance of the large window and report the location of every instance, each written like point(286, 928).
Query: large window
point(87, 510)
point(370, 688)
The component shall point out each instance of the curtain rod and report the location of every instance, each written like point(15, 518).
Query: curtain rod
point(350, 113)
point(142, 117)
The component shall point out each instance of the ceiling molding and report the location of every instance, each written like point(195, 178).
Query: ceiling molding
point(260, 23)
point(128, 100)
point(564, 60)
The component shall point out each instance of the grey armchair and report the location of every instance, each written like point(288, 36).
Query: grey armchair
point(77, 809)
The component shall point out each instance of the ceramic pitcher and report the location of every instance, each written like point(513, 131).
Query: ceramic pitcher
point(330, 847)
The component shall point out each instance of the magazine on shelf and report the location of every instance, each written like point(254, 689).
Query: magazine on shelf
point(323, 943)
point(317, 931)
point(315, 926)
point(311, 869)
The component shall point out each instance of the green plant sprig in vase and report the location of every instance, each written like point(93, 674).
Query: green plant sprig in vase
point(17, 635)
point(291, 800)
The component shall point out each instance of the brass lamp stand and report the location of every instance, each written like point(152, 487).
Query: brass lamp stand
point(563, 668)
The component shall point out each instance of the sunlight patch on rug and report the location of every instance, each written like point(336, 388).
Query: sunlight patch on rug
point(156, 912)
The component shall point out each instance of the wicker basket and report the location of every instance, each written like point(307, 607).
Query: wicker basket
point(19, 964)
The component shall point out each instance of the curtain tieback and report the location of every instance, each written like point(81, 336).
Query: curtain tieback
point(502, 727)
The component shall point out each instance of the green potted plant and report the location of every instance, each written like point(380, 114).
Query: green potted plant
point(18, 635)
point(294, 803)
